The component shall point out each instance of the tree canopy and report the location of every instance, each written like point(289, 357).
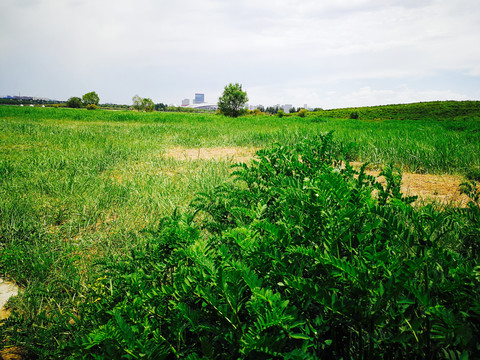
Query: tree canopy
point(74, 102)
point(145, 104)
point(90, 98)
point(233, 100)
point(137, 102)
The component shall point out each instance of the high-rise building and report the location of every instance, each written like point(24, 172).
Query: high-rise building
point(199, 98)
point(185, 102)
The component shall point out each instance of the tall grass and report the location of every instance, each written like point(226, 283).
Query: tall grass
point(440, 146)
point(77, 186)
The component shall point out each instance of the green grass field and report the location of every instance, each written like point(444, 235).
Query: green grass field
point(78, 186)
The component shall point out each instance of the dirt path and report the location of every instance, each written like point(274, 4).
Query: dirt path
point(441, 188)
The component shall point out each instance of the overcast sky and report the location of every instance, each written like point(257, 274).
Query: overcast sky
point(324, 53)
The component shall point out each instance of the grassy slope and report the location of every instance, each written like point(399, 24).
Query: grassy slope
point(435, 110)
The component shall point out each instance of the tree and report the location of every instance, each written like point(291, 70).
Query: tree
point(74, 102)
point(232, 100)
point(143, 104)
point(90, 98)
point(272, 109)
point(160, 107)
point(137, 102)
point(147, 104)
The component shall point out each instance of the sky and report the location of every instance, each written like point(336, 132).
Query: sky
point(324, 53)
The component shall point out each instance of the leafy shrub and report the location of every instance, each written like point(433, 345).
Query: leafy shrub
point(255, 112)
point(354, 115)
point(92, 107)
point(74, 102)
point(302, 113)
point(303, 257)
point(280, 113)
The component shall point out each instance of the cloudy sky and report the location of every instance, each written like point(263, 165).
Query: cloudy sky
point(324, 53)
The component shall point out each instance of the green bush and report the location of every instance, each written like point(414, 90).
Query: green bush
point(92, 107)
point(302, 113)
point(74, 102)
point(302, 258)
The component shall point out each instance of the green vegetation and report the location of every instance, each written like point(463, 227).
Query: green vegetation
point(143, 104)
point(74, 102)
point(233, 100)
point(435, 110)
point(90, 98)
point(124, 251)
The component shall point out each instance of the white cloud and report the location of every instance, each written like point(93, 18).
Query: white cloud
point(367, 96)
point(285, 50)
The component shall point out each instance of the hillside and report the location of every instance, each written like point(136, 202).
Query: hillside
point(435, 110)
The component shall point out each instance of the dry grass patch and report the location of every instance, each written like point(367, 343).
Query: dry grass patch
point(234, 154)
point(443, 189)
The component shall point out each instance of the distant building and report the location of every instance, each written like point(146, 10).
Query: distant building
point(199, 98)
point(205, 106)
point(287, 107)
point(25, 98)
point(185, 102)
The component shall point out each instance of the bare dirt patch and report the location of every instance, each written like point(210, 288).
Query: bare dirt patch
point(444, 189)
point(7, 290)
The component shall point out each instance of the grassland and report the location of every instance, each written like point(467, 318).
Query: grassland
point(77, 186)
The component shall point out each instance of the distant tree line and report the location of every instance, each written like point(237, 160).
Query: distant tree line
point(89, 100)
point(13, 101)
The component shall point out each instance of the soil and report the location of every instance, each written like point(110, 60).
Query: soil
point(7, 290)
point(443, 189)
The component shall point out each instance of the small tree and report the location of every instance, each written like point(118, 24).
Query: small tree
point(74, 102)
point(160, 107)
point(147, 104)
point(302, 113)
point(90, 98)
point(233, 100)
point(137, 102)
